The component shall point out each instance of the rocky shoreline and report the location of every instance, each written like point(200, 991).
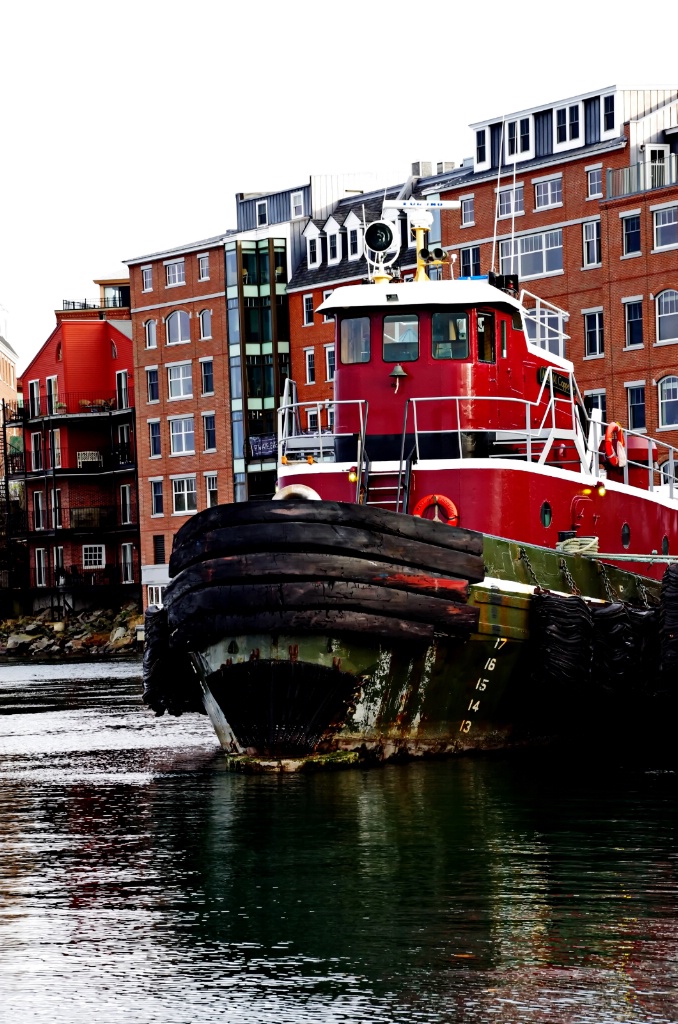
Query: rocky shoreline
point(101, 633)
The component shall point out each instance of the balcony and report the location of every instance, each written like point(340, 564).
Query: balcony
point(74, 403)
point(120, 456)
point(79, 576)
point(645, 177)
point(108, 302)
point(79, 518)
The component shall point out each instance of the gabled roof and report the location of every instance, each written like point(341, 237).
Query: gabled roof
point(179, 250)
point(8, 347)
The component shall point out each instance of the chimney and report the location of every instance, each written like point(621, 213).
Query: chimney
point(446, 166)
point(422, 169)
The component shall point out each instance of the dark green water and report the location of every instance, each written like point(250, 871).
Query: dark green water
point(139, 881)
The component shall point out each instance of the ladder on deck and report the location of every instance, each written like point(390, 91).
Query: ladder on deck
point(387, 488)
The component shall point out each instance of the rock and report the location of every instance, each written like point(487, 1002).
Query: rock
point(120, 643)
point(40, 645)
point(117, 633)
point(18, 640)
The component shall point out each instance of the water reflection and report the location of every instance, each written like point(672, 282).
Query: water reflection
point(141, 881)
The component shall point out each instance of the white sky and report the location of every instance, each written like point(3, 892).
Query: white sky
point(128, 127)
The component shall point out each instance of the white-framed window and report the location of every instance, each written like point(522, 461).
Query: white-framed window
point(511, 201)
point(184, 495)
point(178, 327)
point(150, 335)
point(154, 443)
point(207, 376)
point(125, 504)
point(55, 502)
point(147, 279)
point(327, 319)
point(353, 244)
point(467, 212)
point(512, 137)
point(41, 567)
point(548, 193)
point(180, 380)
point(127, 563)
point(312, 419)
point(594, 183)
point(631, 235)
point(52, 394)
point(93, 556)
point(593, 332)
point(636, 405)
point(152, 386)
point(309, 360)
point(205, 324)
point(54, 443)
point(157, 507)
point(204, 267)
point(308, 310)
point(668, 401)
point(313, 252)
point(481, 146)
point(34, 397)
point(175, 273)
point(330, 364)
point(633, 320)
point(666, 228)
point(211, 493)
point(608, 113)
point(36, 452)
point(591, 243)
point(209, 431)
point(262, 213)
point(154, 595)
point(596, 399)
point(469, 261)
point(567, 124)
point(535, 255)
point(38, 510)
point(296, 205)
point(667, 315)
point(58, 559)
point(122, 389)
point(333, 248)
point(182, 435)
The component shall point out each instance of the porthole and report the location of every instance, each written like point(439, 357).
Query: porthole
point(626, 535)
point(546, 514)
point(665, 545)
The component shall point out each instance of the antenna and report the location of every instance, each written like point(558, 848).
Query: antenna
point(496, 205)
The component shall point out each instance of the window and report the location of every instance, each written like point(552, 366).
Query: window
point(184, 495)
point(668, 402)
point(52, 395)
point(154, 596)
point(467, 211)
point(205, 324)
point(209, 430)
point(203, 268)
point(548, 193)
point(481, 149)
point(34, 397)
point(561, 125)
point(309, 358)
point(182, 438)
point(327, 319)
point(38, 511)
point(667, 316)
point(127, 563)
point(631, 235)
point(211, 496)
point(312, 419)
point(510, 201)
point(175, 273)
point(149, 333)
point(666, 228)
point(535, 254)
point(156, 499)
point(312, 252)
point(93, 556)
point(55, 500)
point(41, 567)
point(591, 243)
point(470, 261)
point(152, 385)
point(159, 549)
point(147, 279)
point(36, 452)
point(329, 362)
point(596, 400)
point(154, 439)
point(308, 310)
point(121, 389)
point(262, 214)
point(633, 315)
point(125, 504)
point(180, 381)
point(355, 340)
point(636, 397)
point(332, 249)
point(567, 124)
point(512, 140)
point(594, 182)
point(297, 205)
point(486, 347)
point(353, 243)
point(401, 338)
point(524, 134)
point(58, 555)
point(574, 122)
point(449, 335)
point(608, 113)
point(593, 329)
point(207, 373)
point(178, 328)
point(545, 328)
point(54, 441)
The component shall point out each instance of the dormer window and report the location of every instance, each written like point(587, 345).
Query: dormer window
point(608, 113)
point(313, 256)
point(512, 140)
point(481, 149)
point(333, 248)
point(297, 205)
point(353, 242)
point(262, 214)
point(524, 134)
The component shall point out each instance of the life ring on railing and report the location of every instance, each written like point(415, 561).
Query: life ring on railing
point(437, 501)
point(296, 491)
point(615, 448)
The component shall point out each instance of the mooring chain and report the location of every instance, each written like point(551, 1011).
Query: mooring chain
point(611, 596)
point(643, 592)
point(525, 558)
point(569, 578)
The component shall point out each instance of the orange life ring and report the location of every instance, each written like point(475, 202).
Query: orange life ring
point(615, 448)
point(435, 500)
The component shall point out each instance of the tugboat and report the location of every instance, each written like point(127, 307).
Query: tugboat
point(455, 561)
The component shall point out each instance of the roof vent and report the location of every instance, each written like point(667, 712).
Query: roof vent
point(445, 166)
point(422, 169)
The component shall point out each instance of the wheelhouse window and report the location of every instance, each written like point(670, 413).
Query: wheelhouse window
point(486, 346)
point(449, 335)
point(401, 338)
point(668, 402)
point(667, 316)
point(355, 340)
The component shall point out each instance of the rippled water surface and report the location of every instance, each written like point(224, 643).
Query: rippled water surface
point(140, 881)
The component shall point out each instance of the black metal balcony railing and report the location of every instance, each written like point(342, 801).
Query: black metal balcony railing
point(120, 456)
point(109, 302)
point(78, 575)
point(75, 517)
point(643, 177)
point(74, 403)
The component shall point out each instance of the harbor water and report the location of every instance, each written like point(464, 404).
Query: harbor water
point(140, 881)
